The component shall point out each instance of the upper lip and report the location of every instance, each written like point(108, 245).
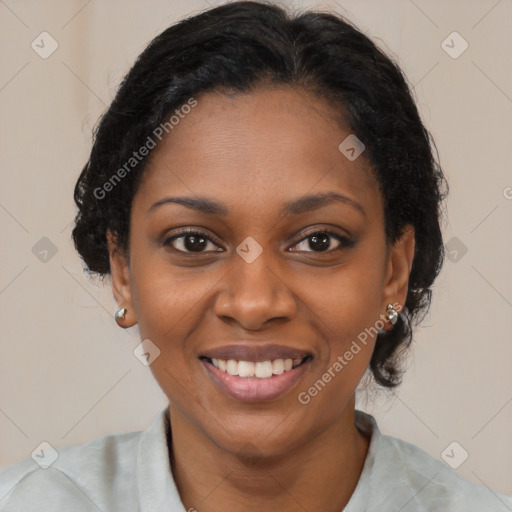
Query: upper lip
point(251, 352)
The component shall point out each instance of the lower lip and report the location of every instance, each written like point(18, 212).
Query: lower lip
point(254, 389)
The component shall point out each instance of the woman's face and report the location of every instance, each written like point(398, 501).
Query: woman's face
point(261, 178)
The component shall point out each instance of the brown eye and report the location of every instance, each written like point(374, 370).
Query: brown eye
point(321, 241)
point(190, 242)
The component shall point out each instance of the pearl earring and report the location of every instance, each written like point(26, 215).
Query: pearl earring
point(120, 314)
point(391, 314)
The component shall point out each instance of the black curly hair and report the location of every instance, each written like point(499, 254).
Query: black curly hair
point(234, 48)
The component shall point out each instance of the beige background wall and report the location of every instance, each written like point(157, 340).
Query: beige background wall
point(67, 372)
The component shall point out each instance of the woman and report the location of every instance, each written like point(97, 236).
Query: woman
point(264, 195)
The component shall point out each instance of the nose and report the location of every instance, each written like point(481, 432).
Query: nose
point(253, 295)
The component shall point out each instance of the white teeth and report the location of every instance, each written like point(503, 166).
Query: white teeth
point(260, 369)
point(246, 368)
point(263, 369)
point(278, 367)
point(232, 367)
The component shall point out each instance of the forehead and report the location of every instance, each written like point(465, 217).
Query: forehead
point(270, 144)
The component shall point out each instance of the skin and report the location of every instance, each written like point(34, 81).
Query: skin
point(254, 152)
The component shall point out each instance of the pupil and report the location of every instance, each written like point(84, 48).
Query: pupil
point(195, 242)
point(319, 242)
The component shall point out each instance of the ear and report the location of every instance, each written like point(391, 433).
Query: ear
point(121, 284)
point(398, 270)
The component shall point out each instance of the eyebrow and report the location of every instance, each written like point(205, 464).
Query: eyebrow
point(294, 207)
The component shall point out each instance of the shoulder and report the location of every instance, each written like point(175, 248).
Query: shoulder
point(430, 484)
point(74, 477)
point(402, 476)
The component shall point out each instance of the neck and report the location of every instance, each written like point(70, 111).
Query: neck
point(320, 475)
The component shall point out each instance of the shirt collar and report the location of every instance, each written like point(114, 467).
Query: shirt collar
point(157, 490)
point(360, 498)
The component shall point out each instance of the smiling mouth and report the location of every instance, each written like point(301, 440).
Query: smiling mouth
point(256, 372)
point(256, 381)
point(256, 369)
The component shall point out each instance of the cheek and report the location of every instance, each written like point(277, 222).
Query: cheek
point(347, 299)
point(345, 307)
point(173, 308)
point(345, 320)
point(168, 310)
point(167, 304)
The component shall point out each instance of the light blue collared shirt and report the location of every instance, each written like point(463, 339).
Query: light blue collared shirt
point(130, 472)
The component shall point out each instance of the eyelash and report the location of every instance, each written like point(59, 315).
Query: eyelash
point(344, 241)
